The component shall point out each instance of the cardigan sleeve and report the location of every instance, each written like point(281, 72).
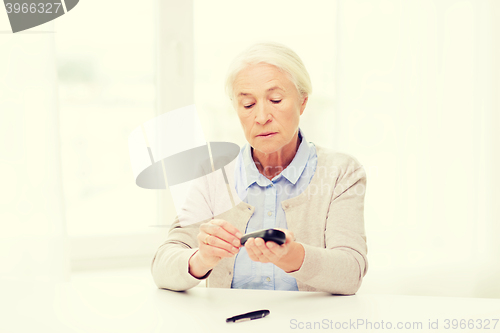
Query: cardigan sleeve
point(339, 268)
point(169, 265)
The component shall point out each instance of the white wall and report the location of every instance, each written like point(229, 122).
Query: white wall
point(33, 241)
point(415, 106)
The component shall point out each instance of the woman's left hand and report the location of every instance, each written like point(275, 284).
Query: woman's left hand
point(265, 252)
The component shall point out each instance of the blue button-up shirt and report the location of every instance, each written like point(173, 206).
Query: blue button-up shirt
point(266, 196)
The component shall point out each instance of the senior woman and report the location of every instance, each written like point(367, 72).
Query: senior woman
point(314, 194)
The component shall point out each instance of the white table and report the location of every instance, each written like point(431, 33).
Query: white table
point(131, 305)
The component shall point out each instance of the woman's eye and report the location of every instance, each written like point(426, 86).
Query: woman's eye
point(276, 101)
point(248, 106)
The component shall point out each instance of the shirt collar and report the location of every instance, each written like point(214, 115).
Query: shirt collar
point(292, 172)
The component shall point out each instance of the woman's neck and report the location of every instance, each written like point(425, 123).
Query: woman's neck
point(271, 165)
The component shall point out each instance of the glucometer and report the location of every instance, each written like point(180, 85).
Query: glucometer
point(268, 235)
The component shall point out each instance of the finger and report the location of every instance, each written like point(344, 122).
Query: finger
point(215, 228)
point(252, 250)
point(259, 243)
point(213, 241)
point(267, 254)
point(212, 251)
point(205, 240)
point(290, 237)
point(275, 249)
point(255, 252)
point(252, 255)
point(229, 228)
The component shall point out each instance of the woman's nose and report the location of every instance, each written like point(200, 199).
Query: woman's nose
point(263, 114)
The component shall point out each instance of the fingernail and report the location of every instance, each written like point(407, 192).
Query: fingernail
point(238, 234)
point(236, 243)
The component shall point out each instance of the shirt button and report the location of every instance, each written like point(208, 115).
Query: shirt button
point(268, 279)
point(270, 213)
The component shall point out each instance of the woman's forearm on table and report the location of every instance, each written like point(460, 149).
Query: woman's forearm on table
point(170, 268)
point(338, 271)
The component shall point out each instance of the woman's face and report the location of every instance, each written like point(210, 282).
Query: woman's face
point(267, 102)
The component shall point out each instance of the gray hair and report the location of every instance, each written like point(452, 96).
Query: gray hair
point(274, 54)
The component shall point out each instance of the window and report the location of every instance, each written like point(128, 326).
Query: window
point(107, 73)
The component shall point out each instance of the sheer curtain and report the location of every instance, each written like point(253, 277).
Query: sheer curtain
point(416, 105)
point(33, 238)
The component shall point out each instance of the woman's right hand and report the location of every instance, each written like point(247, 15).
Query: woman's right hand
point(218, 239)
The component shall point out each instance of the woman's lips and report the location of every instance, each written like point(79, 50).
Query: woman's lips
point(266, 135)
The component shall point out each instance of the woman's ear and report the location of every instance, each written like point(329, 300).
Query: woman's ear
point(304, 98)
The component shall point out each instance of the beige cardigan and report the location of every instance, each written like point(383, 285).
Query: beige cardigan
point(327, 219)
